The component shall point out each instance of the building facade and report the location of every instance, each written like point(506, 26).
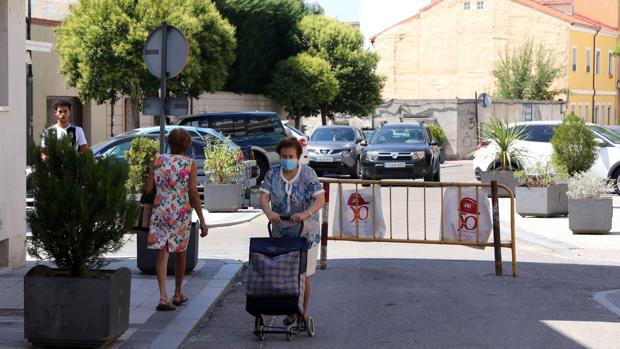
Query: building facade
point(448, 49)
point(12, 133)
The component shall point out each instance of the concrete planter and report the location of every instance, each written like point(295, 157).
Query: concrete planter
point(506, 178)
point(63, 311)
point(223, 197)
point(147, 258)
point(590, 215)
point(542, 202)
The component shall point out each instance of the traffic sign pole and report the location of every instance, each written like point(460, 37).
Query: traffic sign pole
point(162, 88)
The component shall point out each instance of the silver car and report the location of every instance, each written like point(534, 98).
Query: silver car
point(336, 149)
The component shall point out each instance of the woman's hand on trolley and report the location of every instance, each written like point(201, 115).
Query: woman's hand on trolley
point(298, 217)
point(273, 217)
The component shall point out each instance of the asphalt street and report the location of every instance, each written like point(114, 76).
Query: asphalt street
point(389, 295)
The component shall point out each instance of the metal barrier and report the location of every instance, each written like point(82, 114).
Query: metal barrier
point(497, 244)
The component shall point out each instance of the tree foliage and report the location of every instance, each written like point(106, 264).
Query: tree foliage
point(526, 73)
point(574, 147)
point(302, 84)
point(101, 43)
point(265, 32)
point(354, 67)
point(81, 207)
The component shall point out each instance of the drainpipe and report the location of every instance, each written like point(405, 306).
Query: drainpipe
point(596, 66)
point(29, 89)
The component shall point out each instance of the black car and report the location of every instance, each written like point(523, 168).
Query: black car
point(401, 151)
point(260, 130)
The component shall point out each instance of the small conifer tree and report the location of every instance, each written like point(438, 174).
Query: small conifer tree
point(81, 209)
point(574, 147)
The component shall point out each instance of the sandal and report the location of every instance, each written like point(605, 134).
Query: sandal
point(179, 301)
point(165, 307)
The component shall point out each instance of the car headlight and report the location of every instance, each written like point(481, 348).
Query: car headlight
point(418, 155)
point(345, 153)
point(372, 156)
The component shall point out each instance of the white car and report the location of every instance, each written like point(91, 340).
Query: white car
point(538, 148)
point(303, 140)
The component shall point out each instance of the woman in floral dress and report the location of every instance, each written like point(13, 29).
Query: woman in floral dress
point(174, 176)
point(293, 189)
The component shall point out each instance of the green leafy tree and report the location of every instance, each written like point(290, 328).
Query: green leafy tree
point(265, 32)
point(101, 43)
point(574, 147)
point(81, 209)
point(438, 133)
point(353, 66)
point(526, 73)
point(302, 84)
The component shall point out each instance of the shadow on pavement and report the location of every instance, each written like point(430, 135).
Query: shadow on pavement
point(409, 303)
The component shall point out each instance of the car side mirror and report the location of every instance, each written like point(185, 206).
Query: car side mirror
point(434, 142)
point(363, 143)
point(600, 142)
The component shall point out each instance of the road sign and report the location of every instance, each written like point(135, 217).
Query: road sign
point(174, 106)
point(484, 100)
point(176, 48)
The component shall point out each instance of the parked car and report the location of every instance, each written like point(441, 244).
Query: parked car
point(301, 137)
point(199, 133)
point(260, 130)
point(336, 149)
point(401, 151)
point(536, 144)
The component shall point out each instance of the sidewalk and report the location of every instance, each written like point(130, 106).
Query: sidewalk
point(147, 327)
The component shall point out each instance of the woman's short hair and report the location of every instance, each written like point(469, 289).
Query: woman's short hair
point(179, 140)
point(290, 142)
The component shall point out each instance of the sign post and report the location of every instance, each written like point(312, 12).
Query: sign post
point(165, 55)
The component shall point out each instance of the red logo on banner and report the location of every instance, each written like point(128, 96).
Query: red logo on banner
point(359, 206)
point(468, 210)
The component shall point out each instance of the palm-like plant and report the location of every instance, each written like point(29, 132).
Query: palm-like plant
point(508, 156)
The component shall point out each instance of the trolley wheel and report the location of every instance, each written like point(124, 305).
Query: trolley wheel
point(289, 337)
point(310, 326)
point(259, 326)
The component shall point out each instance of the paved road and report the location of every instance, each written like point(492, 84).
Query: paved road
point(382, 295)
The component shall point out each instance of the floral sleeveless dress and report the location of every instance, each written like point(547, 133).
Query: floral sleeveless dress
point(171, 217)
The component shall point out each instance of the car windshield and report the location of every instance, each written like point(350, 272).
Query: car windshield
point(608, 134)
point(401, 135)
point(333, 135)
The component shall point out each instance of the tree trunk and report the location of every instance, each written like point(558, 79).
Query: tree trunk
point(298, 122)
point(134, 99)
point(324, 115)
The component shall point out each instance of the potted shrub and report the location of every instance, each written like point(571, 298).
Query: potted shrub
point(540, 192)
point(223, 169)
point(81, 213)
point(574, 146)
point(140, 156)
point(440, 136)
point(590, 207)
point(508, 157)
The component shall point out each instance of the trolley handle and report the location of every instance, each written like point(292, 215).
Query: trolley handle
point(285, 218)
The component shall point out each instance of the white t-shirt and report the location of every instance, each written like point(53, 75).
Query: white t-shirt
point(79, 138)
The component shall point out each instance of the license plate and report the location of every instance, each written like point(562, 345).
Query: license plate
point(325, 159)
point(394, 164)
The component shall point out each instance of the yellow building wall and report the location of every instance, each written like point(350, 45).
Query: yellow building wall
point(450, 52)
point(581, 86)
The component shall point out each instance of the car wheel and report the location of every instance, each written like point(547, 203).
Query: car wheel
point(365, 178)
point(616, 179)
point(437, 176)
point(263, 167)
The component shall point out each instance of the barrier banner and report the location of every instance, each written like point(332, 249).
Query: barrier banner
point(358, 209)
point(466, 214)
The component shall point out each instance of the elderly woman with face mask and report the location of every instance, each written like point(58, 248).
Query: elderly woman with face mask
point(293, 189)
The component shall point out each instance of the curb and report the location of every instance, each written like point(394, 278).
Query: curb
point(246, 218)
point(174, 334)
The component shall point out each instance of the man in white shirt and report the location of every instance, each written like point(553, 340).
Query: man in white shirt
point(62, 128)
